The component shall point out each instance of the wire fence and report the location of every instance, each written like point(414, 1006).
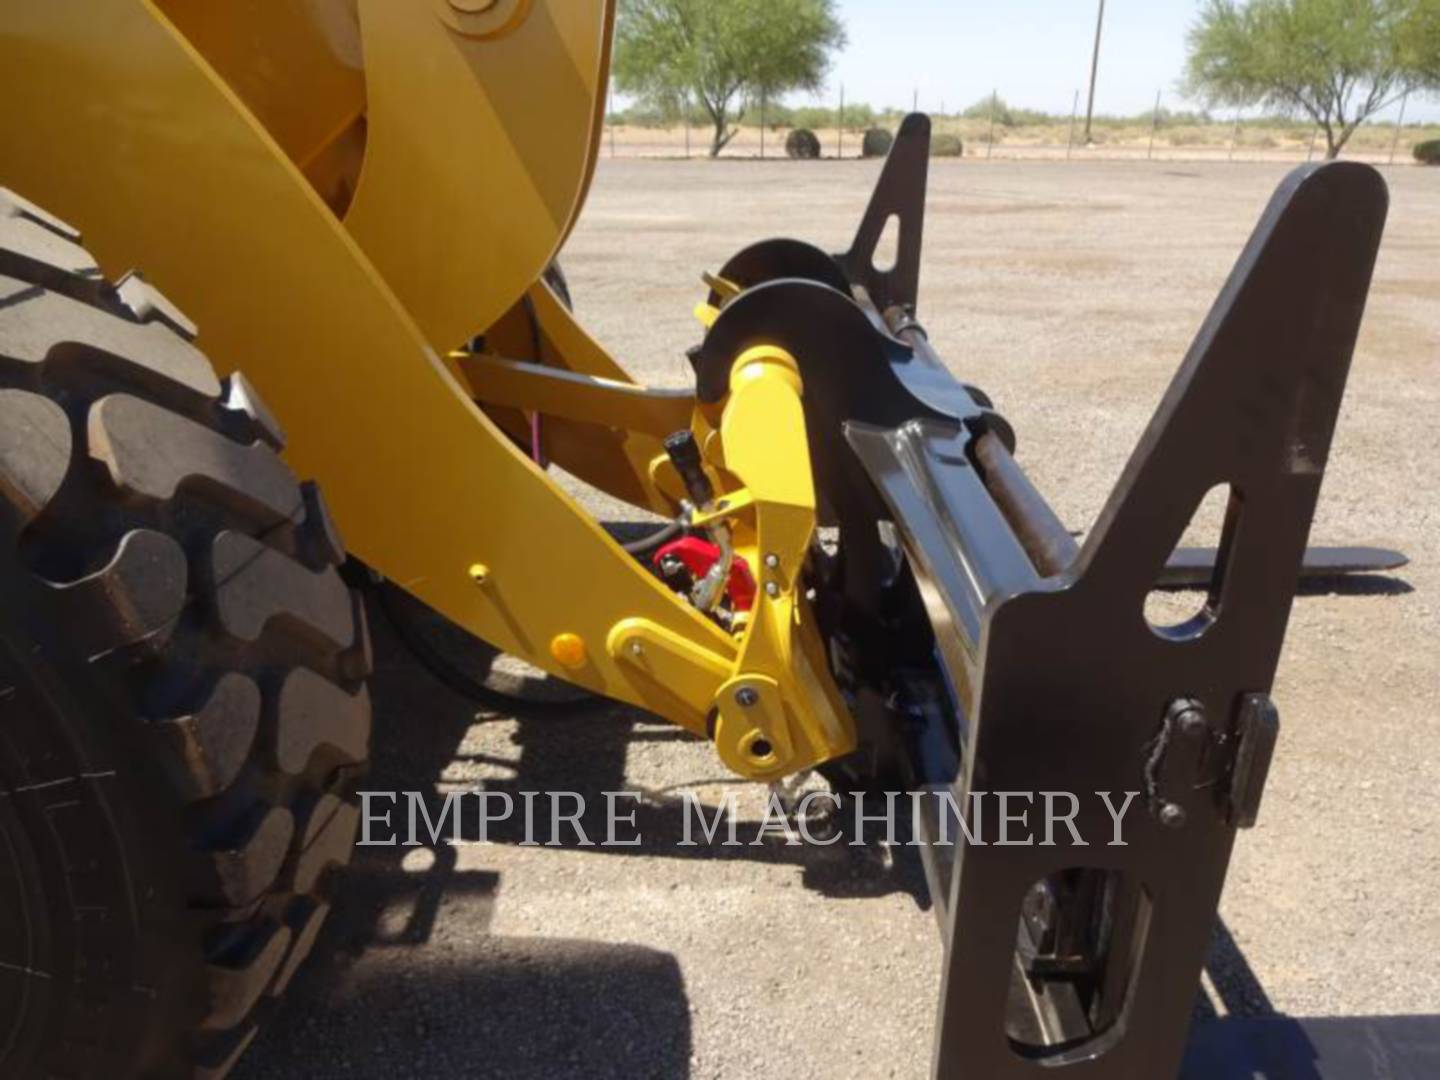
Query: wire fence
point(998, 132)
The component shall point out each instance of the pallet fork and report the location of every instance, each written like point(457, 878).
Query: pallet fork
point(1041, 672)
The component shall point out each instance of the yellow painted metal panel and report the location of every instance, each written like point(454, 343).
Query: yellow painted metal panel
point(297, 65)
point(479, 153)
point(125, 130)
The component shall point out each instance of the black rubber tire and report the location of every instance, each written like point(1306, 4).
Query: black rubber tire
point(876, 143)
point(183, 714)
point(472, 667)
point(802, 144)
point(554, 276)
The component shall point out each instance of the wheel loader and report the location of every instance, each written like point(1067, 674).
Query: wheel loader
point(355, 203)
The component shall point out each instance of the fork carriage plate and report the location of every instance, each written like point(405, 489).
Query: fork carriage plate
point(998, 655)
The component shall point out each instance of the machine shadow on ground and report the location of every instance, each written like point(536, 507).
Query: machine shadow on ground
point(514, 1007)
point(510, 1007)
point(523, 1008)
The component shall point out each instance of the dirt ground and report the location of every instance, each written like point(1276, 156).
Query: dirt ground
point(1069, 292)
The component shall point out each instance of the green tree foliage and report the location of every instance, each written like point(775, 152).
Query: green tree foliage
point(725, 55)
point(858, 116)
point(944, 144)
point(1005, 114)
point(1337, 61)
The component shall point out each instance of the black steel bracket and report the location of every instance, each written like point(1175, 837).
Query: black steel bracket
point(999, 655)
point(900, 195)
point(1062, 683)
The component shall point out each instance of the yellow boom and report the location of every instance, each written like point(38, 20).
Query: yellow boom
point(342, 195)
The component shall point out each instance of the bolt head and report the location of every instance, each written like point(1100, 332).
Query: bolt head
point(772, 589)
point(772, 561)
point(1192, 723)
point(746, 698)
point(1172, 816)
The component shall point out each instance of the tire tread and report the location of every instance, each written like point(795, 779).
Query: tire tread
point(209, 584)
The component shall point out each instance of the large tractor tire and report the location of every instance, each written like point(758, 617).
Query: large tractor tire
point(183, 713)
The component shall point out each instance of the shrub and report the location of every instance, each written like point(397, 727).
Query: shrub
point(777, 115)
point(858, 117)
point(1188, 136)
point(876, 143)
point(1005, 115)
point(1428, 153)
point(987, 107)
point(946, 145)
point(813, 117)
point(802, 145)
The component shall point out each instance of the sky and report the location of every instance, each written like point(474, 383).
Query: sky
point(1036, 53)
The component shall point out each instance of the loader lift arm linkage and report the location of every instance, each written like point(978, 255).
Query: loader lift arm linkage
point(956, 638)
point(1111, 939)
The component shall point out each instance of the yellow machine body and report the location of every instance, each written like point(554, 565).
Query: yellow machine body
point(343, 194)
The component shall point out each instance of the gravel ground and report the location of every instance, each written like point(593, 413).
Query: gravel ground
point(1070, 293)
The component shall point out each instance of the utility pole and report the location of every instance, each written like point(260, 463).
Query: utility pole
point(1094, 69)
point(915, 101)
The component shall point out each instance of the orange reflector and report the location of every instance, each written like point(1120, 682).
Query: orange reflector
point(569, 650)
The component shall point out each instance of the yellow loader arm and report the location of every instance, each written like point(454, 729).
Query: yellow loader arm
point(357, 200)
point(342, 194)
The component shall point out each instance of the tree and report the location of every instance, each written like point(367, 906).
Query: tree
point(726, 54)
point(1337, 61)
